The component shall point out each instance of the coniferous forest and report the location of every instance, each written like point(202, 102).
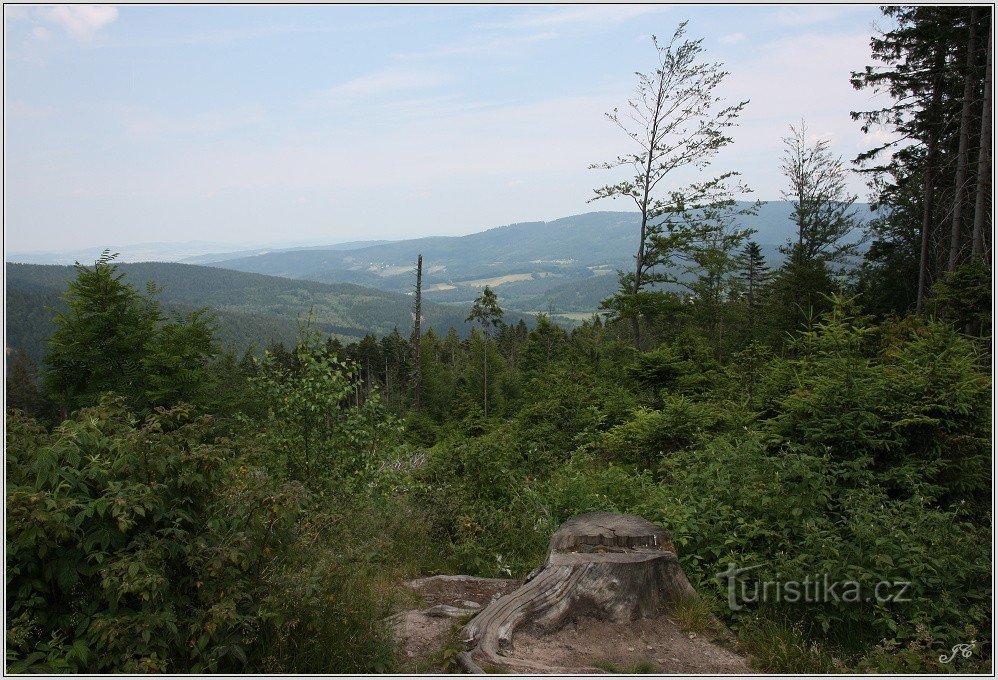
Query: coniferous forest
point(174, 508)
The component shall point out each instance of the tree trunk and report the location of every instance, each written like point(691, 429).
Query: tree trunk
point(956, 232)
point(602, 565)
point(640, 262)
point(417, 368)
point(485, 356)
point(983, 159)
point(929, 176)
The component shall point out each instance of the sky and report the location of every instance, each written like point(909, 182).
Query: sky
point(258, 125)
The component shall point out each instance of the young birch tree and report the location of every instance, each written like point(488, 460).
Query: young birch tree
point(674, 122)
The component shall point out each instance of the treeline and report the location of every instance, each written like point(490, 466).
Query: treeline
point(933, 176)
point(251, 309)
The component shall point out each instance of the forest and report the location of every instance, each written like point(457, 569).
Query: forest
point(175, 508)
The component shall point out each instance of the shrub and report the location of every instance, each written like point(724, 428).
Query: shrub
point(137, 547)
point(151, 547)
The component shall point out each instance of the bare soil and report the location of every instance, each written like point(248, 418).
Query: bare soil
point(658, 644)
point(422, 633)
point(585, 646)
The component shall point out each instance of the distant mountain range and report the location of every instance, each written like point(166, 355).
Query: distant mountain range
point(567, 265)
point(192, 252)
point(564, 267)
point(253, 309)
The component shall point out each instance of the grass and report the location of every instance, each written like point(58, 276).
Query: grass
point(694, 615)
point(776, 647)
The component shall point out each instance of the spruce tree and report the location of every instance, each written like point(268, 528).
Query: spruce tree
point(487, 312)
point(753, 274)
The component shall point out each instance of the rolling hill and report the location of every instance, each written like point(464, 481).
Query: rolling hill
point(566, 265)
point(189, 252)
point(253, 309)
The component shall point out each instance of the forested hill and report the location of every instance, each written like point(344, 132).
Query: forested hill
point(567, 264)
point(253, 309)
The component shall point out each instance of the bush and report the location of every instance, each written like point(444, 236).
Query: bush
point(150, 547)
point(650, 435)
point(136, 547)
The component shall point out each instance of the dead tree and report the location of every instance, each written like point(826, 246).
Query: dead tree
point(417, 368)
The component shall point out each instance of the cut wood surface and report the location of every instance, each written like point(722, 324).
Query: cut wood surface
point(609, 567)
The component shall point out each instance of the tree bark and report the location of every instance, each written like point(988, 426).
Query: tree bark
point(645, 202)
point(635, 322)
point(417, 366)
point(928, 179)
point(984, 159)
point(956, 231)
point(485, 357)
point(603, 565)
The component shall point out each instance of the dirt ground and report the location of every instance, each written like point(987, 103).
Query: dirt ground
point(425, 631)
point(659, 645)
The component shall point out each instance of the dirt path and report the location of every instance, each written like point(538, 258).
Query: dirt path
point(585, 646)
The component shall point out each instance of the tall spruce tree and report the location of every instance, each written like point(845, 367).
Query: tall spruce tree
point(486, 311)
point(111, 338)
point(753, 273)
point(935, 75)
point(824, 217)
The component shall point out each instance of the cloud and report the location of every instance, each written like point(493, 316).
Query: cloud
point(599, 15)
point(144, 126)
point(41, 33)
point(431, 107)
point(391, 79)
point(815, 14)
point(80, 21)
point(731, 38)
point(17, 109)
point(482, 46)
point(14, 12)
point(805, 76)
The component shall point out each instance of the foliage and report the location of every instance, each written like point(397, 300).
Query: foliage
point(486, 311)
point(676, 121)
point(111, 338)
point(195, 512)
point(964, 295)
point(309, 433)
point(138, 547)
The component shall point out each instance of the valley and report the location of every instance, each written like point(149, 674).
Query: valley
point(252, 310)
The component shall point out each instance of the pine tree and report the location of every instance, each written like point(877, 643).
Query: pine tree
point(99, 340)
point(823, 216)
point(22, 386)
point(544, 344)
point(823, 212)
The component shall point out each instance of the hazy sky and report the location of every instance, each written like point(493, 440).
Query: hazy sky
point(324, 124)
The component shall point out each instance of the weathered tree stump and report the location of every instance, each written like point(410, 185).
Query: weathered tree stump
point(602, 565)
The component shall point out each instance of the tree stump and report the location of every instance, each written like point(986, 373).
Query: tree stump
point(603, 565)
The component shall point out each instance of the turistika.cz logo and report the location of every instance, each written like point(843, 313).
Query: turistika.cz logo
point(812, 589)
